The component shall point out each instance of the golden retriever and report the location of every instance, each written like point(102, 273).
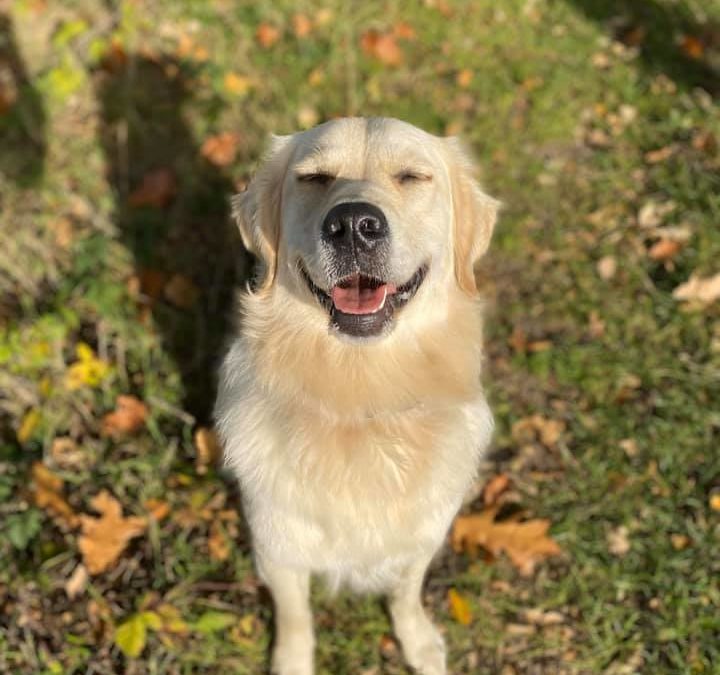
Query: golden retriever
point(350, 405)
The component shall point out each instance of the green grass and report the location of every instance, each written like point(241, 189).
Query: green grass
point(84, 131)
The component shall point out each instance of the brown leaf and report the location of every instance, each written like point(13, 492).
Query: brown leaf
point(77, 582)
point(207, 447)
point(525, 543)
point(221, 150)
point(181, 291)
point(664, 249)
point(66, 454)
point(267, 35)
point(494, 488)
point(218, 545)
point(157, 189)
point(47, 493)
point(692, 47)
point(606, 267)
point(464, 78)
point(697, 289)
point(157, 508)
point(404, 31)
point(382, 46)
point(302, 26)
point(618, 542)
point(127, 418)
point(547, 430)
point(104, 539)
point(660, 155)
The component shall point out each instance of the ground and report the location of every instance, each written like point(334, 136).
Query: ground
point(122, 134)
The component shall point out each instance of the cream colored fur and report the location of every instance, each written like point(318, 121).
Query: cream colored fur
point(353, 456)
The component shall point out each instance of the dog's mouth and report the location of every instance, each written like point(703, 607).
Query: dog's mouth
point(361, 305)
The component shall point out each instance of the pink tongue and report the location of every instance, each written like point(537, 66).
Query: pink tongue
point(356, 300)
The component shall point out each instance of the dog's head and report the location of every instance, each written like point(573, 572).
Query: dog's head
point(364, 219)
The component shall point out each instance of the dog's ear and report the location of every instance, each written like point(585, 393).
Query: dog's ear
point(257, 210)
point(474, 215)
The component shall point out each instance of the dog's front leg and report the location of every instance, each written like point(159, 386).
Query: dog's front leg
point(422, 644)
point(294, 639)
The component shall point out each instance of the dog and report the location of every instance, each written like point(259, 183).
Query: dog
point(350, 405)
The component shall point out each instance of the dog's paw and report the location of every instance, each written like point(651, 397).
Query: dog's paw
point(294, 657)
point(424, 649)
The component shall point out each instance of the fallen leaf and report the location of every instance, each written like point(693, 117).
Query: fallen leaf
point(77, 582)
point(181, 291)
point(157, 508)
point(267, 35)
point(302, 26)
point(679, 541)
point(459, 608)
point(207, 448)
point(664, 249)
point(464, 78)
point(382, 46)
point(104, 539)
point(87, 371)
point(547, 430)
point(705, 141)
point(618, 541)
point(404, 31)
point(237, 85)
point(652, 213)
point(660, 155)
point(66, 454)
point(629, 446)
point(47, 490)
point(128, 417)
point(714, 501)
point(157, 189)
point(28, 425)
point(526, 543)
point(131, 636)
point(213, 621)
point(307, 117)
point(494, 488)
point(218, 545)
point(606, 267)
point(62, 230)
point(692, 47)
point(221, 150)
point(698, 289)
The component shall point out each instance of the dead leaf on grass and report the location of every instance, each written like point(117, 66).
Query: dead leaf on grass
point(525, 543)
point(382, 46)
point(221, 149)
point(207, 447)
point(66, 453)
point(104, 539)
point(664, 250)
point(267, 35)
point(700, 290)
point(607, 267)
point(128, 417)
point(495, 488)
point(218, 544)
point(618, 541)
point(302, 26)
point(459, 608)
point(547, 430)
point(77, 582)
point(47, 490)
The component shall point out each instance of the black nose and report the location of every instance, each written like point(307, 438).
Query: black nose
point(355, 223)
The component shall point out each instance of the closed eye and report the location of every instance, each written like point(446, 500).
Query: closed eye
point(407, 177)
point(317, 178)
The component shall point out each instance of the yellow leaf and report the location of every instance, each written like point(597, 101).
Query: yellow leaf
point(28, 425)
point(87, 371)
point(715, 502)
point(152, 620)
point(235, 84)
point(131, 636)
point(459, 608)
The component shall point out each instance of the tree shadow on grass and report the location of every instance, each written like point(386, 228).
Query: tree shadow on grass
point(172, 213)
point(22, 116)
point(657, 29)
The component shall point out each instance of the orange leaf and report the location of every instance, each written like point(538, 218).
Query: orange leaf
point(157, 508)
point(547, 430)
point(127, 418)
point(302, 26)
point(692, 47)
point(207, 447)
point(464, 78)
point(382, 46)
point(459, 608)
point(267, 35)
point(494, 488)
point(220, 150)
point(157, 189)
point(218, 544)
point(404, 31)
point(525, 543)
point(105, 538)
point(665, 249)
point(47, 489)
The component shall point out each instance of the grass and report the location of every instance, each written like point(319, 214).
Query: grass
point(565, 104)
